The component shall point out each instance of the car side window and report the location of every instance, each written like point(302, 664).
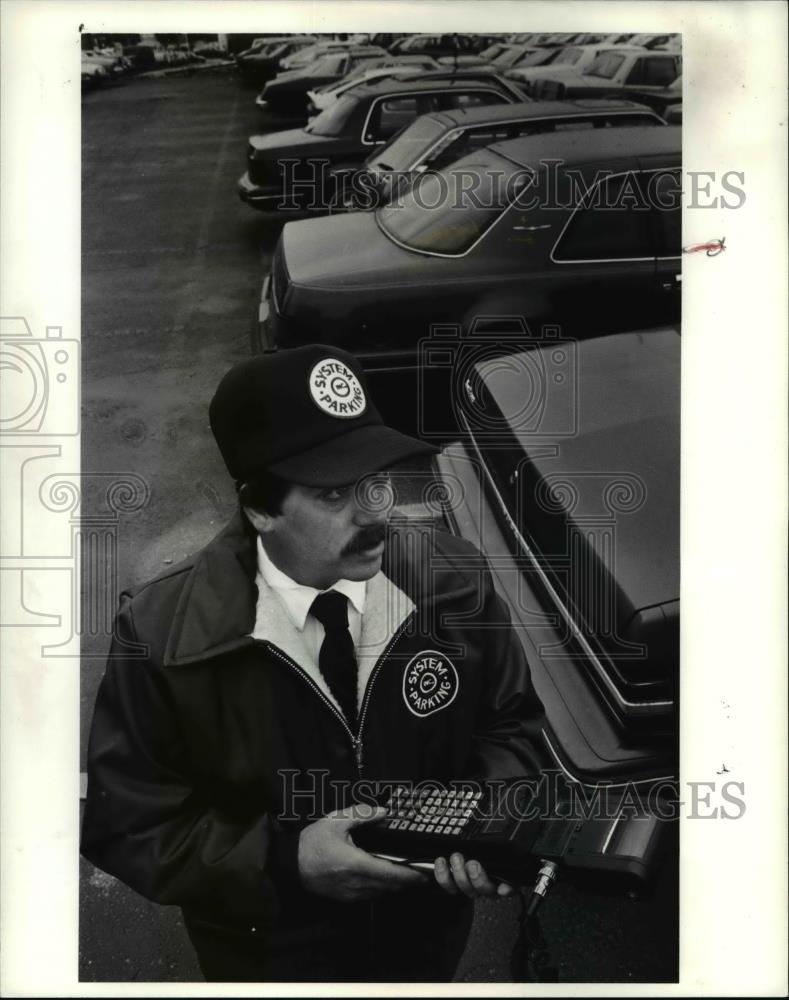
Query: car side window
point(659, 71)
point(653, 71)
point(636, 74)
point(611, 223)
point(469, 99)
point(391, 114)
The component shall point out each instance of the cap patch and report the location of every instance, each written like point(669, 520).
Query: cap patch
point(336, 389)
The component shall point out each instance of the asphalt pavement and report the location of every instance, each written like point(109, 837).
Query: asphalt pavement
point(172, 264)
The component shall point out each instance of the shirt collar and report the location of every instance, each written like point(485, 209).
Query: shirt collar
point(297, 597)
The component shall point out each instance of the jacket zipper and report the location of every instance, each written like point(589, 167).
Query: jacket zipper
point(376, 669)
point(356, 740)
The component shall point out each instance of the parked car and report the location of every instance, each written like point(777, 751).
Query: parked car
point(115, 64)
point(517, 56)
point(463, 60)
point(577, 228)
point(573, 59)
point(345, 133)
point(571, 490)
point(210, 50)
point(324, 47)
point(288, 91)
point(439, 45)
point(616, 38)
point(661, 99)
point(94, 74)
point(674, 114)
point(479, 74)
point(654, 41)
point(263, 63)
point(367, 72)
point(437, 140)
point(615, 72)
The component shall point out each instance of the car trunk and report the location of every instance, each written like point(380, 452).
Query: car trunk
point(598, 502)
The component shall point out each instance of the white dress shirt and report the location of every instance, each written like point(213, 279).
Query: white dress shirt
point(296, 599)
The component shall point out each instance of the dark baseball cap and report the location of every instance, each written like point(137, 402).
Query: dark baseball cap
point(306, 415)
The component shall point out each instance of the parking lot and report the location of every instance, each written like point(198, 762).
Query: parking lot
point(172, 266)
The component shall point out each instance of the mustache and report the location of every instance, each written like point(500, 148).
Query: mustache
point(367, 538)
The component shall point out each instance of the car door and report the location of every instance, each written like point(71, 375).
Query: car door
point(605, 259)
point(664, 186)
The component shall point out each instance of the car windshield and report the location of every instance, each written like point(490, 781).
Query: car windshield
point(539, 57)
point(506, 57)
point(401, 151)
point(605, 65)
point(567, 57)
point(442, 214)
point(492, 51)
point(355, 76)
point(332, 120)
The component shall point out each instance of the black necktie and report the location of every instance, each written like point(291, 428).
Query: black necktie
point(337, 661)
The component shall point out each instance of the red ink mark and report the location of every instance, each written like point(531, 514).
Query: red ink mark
point(712, 248)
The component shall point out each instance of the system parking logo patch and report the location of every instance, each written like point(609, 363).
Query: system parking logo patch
point(336, 389)
point(430, 683)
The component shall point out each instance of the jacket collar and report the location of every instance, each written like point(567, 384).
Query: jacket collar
point(217, 607)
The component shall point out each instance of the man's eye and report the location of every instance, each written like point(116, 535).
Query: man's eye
point(335, 494)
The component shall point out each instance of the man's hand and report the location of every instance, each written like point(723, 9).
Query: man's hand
point(468, 878)
point(331, 865)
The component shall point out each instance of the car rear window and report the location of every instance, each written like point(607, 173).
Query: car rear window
point(443, 214)
point(400, 152)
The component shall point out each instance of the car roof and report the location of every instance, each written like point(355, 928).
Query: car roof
point(591, 145)
point(439, 82)
point(535, 109)
point(608, 47)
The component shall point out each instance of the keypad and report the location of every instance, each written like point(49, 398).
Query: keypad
point(443, 811)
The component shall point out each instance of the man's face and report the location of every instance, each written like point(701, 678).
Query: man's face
point(324, 534)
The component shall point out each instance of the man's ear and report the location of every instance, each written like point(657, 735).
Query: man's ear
point(260, 521)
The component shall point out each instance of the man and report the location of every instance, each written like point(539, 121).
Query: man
point(256, 693)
